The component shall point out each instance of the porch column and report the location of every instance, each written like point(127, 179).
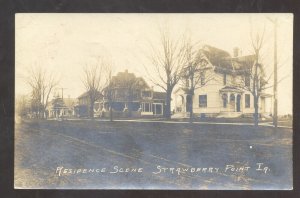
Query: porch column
point(184, 103)
point(176, 103)
point(235, 101)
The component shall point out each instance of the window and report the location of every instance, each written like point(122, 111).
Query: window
point(232, 98)
point(224, 79)
point(202, 78)
point(247, 81)
point(247, 100)
point(146, 94)
point(146, 107)
point(202, 100)
point(135, 94)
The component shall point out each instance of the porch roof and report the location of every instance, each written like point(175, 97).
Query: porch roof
point(266, 95)
point(231, 89)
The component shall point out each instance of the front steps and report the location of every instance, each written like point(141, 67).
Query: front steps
point(220, 115)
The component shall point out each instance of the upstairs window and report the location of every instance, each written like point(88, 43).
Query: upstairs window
point(247, 100)
point(202, 78)
point(224, 79)
point(247, 81)
point(203, 101)
point(146, 94)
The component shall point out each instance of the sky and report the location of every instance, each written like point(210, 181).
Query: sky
point(64, 43)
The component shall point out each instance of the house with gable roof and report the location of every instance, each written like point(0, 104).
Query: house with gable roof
point(128, 96)
point(133, 95)
point(223, 95)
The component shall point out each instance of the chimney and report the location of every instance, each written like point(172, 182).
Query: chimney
point(235, 52)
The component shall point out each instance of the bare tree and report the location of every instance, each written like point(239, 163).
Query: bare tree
point(108, 91)
point(255, 80)
point(95, 80)
point(196, 74)
point(42, 84)
point(168, 62)
point(22, 105)
point(109, 94)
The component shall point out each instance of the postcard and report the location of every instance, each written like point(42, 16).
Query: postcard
point(153, 101)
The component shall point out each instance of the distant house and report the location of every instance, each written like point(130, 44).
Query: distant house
point(128, 95)
point(82, 107)
point(222, 96)
point(61, 107)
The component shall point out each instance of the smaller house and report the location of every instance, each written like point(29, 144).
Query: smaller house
point(61, 107)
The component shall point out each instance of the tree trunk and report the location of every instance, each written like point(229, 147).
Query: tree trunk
point(191, 109)
point(110, 104)
point(110, 113)
point(256, 117)
point(191, 98)
point(167, 111)
point(92, 110)
point(43, 112)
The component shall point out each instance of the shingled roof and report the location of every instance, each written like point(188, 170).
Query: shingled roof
point(125, 79)
point(224, 63)
point(86, 94)
point(216, 56)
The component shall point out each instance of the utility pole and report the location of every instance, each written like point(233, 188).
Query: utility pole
point(110, 98)
point(275, 118)
point(275, 106)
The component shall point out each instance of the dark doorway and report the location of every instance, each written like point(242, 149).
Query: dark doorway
point(231, 102)
point(157, 110)
point(238, 103)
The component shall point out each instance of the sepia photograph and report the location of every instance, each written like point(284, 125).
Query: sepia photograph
point(153, 101)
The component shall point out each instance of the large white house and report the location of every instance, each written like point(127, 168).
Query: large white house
point(222, 95)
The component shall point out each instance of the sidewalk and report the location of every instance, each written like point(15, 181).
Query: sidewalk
point(174, 121)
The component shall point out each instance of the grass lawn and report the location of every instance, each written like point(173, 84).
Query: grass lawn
point(43, 146)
